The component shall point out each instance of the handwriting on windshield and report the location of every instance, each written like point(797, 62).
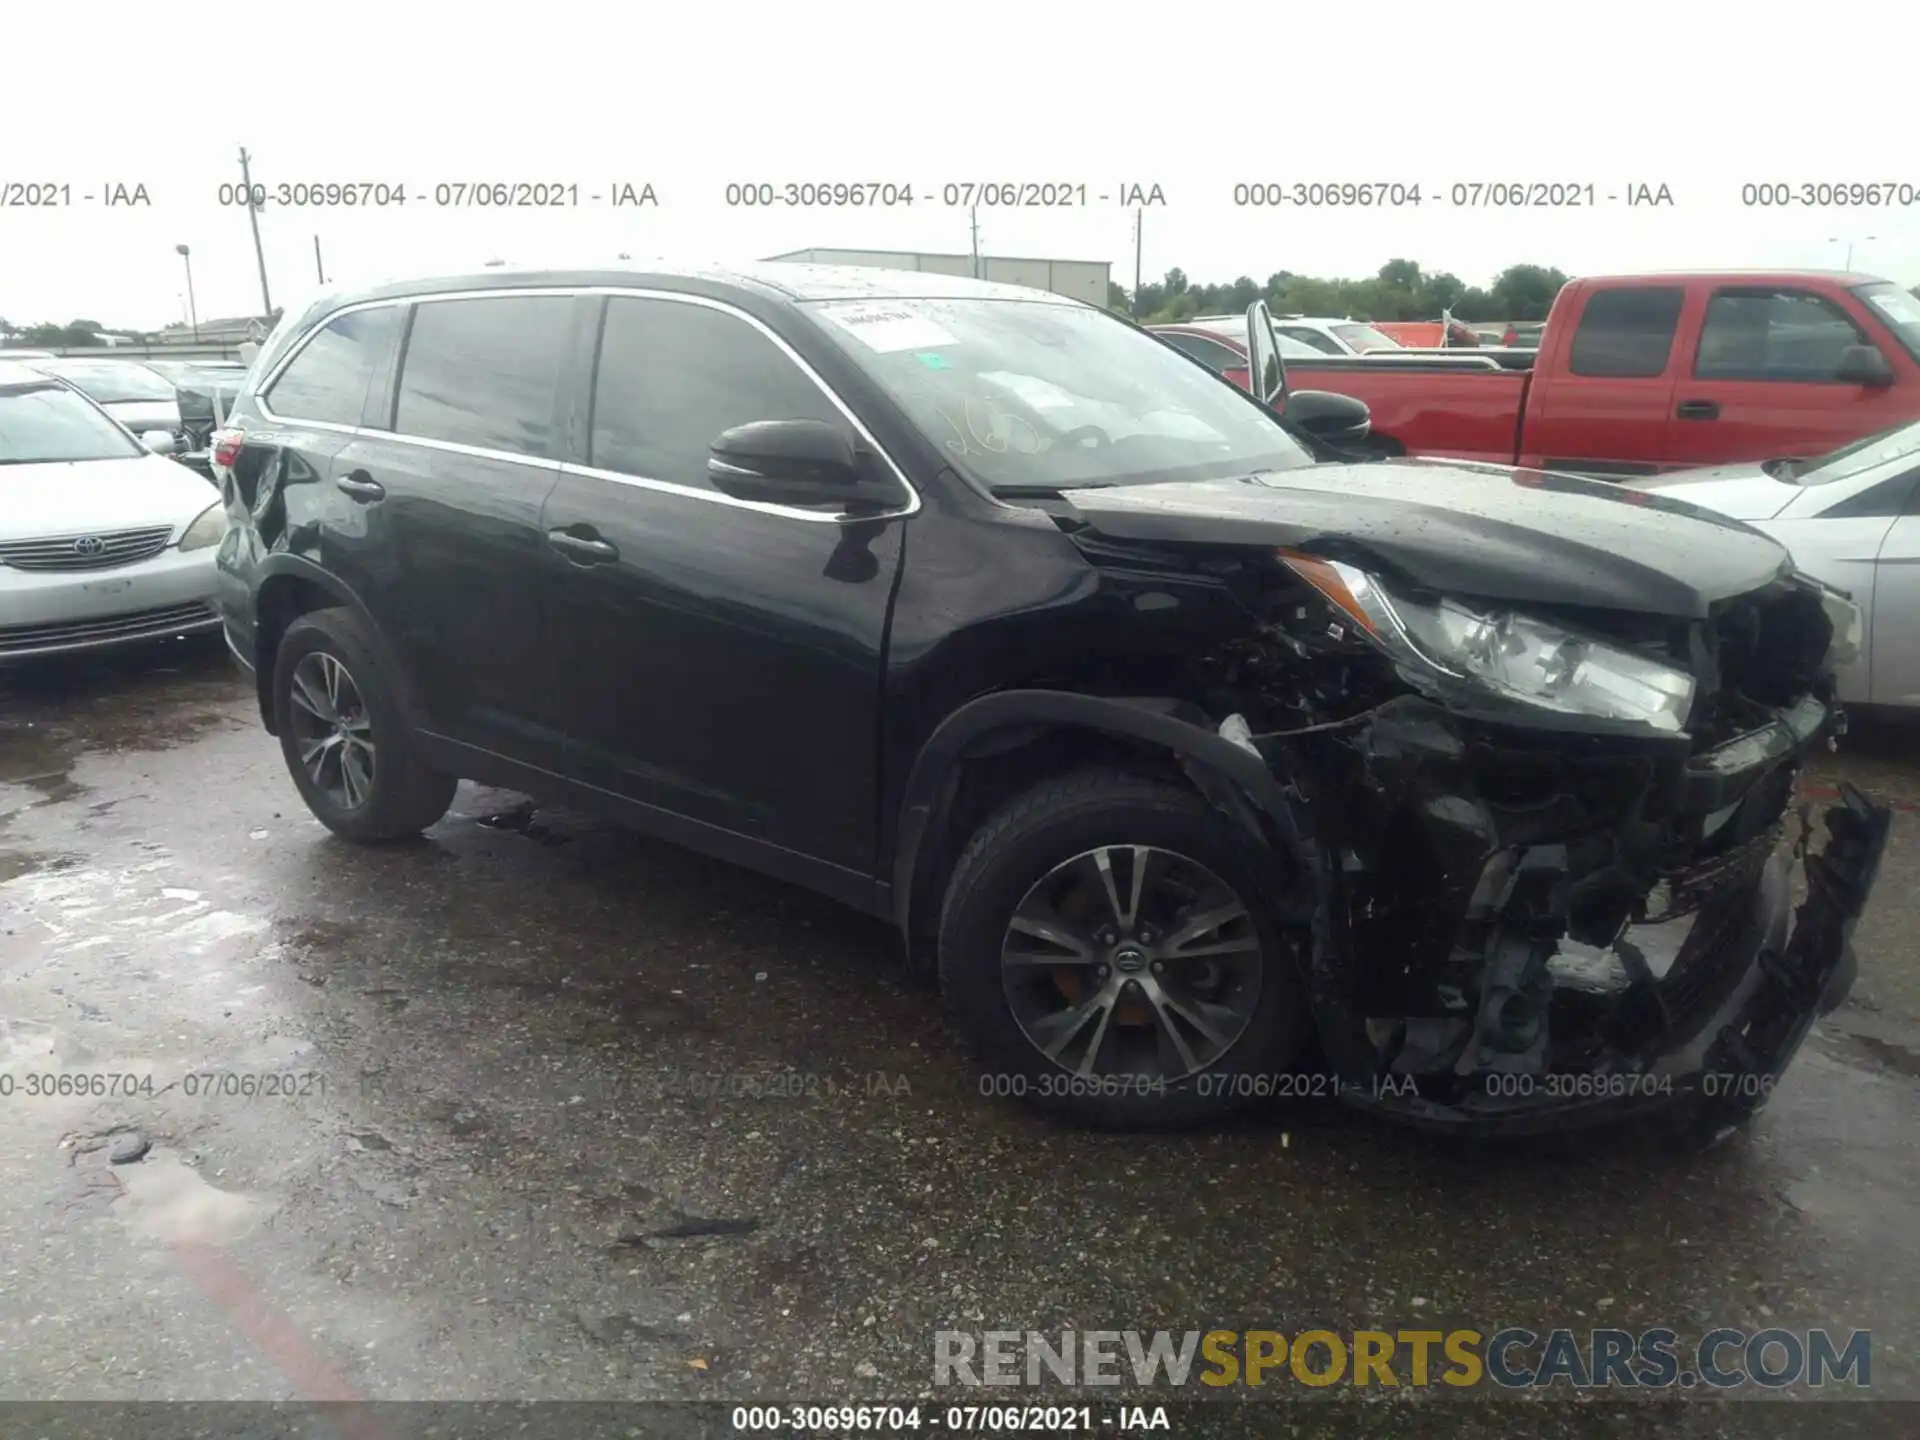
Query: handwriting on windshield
point(985, 429)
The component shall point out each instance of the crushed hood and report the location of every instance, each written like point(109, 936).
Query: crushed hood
point(1524, 536)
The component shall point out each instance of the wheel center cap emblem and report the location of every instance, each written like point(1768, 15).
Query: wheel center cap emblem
point(1129, 959)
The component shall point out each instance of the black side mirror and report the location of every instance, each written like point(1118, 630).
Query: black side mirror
point(1267, 372)
point(791, 462)
point(1864, 365)
point(1339, 420)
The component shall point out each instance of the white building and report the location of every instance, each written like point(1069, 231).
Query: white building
point(1077, 279)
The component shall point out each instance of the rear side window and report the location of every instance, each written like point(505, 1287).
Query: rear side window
point(327, 381)
point(1627, 334)
point(1312, 339)
point(1773, 335)
point(673, 376)
point(482, 372)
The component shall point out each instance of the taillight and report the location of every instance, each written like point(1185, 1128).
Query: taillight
point(227, 445)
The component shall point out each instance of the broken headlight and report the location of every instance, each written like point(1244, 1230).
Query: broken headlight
point(1513, 654)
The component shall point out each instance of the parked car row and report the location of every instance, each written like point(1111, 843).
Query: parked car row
point(102, 541)
point(182, 400)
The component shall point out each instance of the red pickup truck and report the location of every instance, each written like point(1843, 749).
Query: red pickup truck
point(1646, 373)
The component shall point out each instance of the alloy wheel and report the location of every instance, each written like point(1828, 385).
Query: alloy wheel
point(1130, 960)
point(332, 730)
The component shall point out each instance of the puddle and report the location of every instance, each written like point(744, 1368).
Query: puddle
point(1898, 1058)
point(16, 863)
point(168, 1201)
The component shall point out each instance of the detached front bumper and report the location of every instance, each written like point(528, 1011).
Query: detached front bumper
point(1474, 848)
point(1793, 968)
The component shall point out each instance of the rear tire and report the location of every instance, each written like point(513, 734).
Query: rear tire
point(1124, 1003)
point(344, 737)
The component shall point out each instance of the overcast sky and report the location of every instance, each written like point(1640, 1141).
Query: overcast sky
point(1194, 98)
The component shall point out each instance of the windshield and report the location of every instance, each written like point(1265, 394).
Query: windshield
point(49, 424)
point(1026, 395)
point(1364, 338)
point(1900, 311)
point(111, 383)
point(1876, 450)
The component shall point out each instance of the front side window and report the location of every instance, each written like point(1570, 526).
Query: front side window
point(48, 424)
point(673, 375)
point(1028, 395)
point(1626, 333)
point(482, 372)
point(1773, 335)
point(327, 381)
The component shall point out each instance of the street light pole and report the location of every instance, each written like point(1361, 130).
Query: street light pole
point(193, 310)
point(1837, 239)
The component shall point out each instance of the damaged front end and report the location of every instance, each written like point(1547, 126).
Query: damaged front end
point(1555, 907)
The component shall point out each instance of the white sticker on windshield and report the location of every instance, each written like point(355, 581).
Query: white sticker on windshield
point(887, 328)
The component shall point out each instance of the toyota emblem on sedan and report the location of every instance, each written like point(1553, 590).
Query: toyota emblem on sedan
point(89, 545)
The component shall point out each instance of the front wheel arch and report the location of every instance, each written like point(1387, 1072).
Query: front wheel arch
point(1001, 744)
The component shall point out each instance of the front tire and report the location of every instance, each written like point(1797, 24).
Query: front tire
point(344, 737)
point(1112, 947)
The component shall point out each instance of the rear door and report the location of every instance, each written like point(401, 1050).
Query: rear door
point(721, 659)
point(1601, 404)
point(1762, 381)
point(305, 413)
point(443, 488)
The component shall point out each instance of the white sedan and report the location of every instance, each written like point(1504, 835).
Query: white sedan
point(101, 541)
point(1850, 518)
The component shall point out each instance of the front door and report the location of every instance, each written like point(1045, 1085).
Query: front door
point(1762, 383)
point(721, 658)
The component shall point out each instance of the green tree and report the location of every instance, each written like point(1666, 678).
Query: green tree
point(1526, 292)
point(1400, 275)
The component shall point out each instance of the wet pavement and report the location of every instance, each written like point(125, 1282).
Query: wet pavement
point(535, 1108)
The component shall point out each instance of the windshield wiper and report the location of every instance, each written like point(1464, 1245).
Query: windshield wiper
point(1040, 492)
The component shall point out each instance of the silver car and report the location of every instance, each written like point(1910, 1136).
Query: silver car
point(1852, 519)
point(137, 395)
point(101, 541)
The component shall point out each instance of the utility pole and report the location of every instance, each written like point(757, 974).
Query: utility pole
point(1139, 229)
point(318, 269)
point(253, 219)
point(974, 215)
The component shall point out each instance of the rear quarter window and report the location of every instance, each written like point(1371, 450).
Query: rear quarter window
point(326, 381)
point(1627, 333)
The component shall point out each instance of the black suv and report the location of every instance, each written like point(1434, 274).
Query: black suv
point(1199, 764)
